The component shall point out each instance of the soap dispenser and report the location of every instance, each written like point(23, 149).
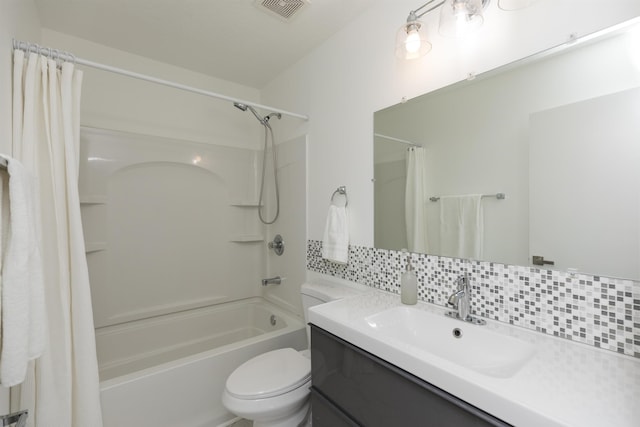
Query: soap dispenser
point(408, 283)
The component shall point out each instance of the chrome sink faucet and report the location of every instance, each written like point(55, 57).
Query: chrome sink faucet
point(461, 298)
point(461, 301)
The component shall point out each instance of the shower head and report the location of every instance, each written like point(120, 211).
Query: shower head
point(240, 106)
point(263, 120)
point(244, 107)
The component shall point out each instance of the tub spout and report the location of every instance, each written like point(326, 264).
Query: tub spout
point(273, 280)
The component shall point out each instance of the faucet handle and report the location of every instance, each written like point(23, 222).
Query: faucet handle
point(462, 281)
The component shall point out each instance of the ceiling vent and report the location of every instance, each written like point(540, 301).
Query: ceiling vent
point(283, 9)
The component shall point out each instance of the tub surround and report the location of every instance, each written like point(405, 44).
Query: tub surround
point(593, 310)
point(562, 383)
point(161, 218)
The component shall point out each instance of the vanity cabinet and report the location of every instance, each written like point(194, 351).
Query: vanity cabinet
point(351, 387)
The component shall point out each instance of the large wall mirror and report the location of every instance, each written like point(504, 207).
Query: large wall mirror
point(558, 135)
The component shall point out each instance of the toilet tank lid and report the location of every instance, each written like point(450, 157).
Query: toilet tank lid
point(328, 291)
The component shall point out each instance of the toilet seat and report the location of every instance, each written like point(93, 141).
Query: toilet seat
point(270, 374)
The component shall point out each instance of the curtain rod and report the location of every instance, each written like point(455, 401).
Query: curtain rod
point(391, 138)
point(66, 56)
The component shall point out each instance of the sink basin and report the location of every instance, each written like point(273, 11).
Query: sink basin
point(471, 346)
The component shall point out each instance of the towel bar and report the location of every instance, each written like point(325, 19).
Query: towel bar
point(20, 418)
point(499, 196)
point(342, 190)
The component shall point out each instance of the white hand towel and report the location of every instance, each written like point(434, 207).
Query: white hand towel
point(461, 226)
point(335, 242)
point(22, 299)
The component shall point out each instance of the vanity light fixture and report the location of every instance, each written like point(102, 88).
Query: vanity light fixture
point(457, 18)
point(411, 40)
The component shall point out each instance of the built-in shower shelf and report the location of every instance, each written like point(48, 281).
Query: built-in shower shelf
point(245, 204)
point(247, 238)
point(91, 247)
point(93, 200)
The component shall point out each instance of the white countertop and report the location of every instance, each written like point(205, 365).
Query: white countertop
point(563, 384)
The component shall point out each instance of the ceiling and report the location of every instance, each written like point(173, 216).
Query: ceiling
point(233, 40)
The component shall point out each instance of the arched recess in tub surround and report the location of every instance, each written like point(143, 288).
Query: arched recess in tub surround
point(162, 221)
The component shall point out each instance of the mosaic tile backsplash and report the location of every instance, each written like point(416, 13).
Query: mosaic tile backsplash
point(594, 310)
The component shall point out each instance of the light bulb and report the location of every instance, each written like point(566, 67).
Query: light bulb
point(460, 17)
point(412, 44)
point(460, 9)
point(411, 41)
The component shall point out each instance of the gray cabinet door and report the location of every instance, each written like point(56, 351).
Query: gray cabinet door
point(373, 393)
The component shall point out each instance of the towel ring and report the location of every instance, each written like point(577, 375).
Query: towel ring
point(342, 190)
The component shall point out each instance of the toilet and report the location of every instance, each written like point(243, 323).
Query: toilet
point(272, 389)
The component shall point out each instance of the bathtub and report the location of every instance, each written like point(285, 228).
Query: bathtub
point(171, 370)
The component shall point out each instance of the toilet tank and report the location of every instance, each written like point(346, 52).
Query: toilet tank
point(321, 291)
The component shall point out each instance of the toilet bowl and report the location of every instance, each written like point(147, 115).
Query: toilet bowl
point(272, 389)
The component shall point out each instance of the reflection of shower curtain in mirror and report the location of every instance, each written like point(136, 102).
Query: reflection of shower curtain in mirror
point(416, 199)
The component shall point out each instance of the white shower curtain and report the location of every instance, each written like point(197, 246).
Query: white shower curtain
point(415, 200)
point(62, 387)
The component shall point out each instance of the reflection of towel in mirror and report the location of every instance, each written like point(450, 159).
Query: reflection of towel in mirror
point(461, 226)
point(335, 242)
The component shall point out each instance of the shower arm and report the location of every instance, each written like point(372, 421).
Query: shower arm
point(264, 120)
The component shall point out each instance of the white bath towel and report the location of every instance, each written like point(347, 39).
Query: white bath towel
point(461, 226)
point(22, 296)
point(335, 242)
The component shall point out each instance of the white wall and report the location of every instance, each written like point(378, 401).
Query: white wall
point(116, 102)
point(353, 74)
point(19, 20)
point(389, 208)
point(594, 195)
